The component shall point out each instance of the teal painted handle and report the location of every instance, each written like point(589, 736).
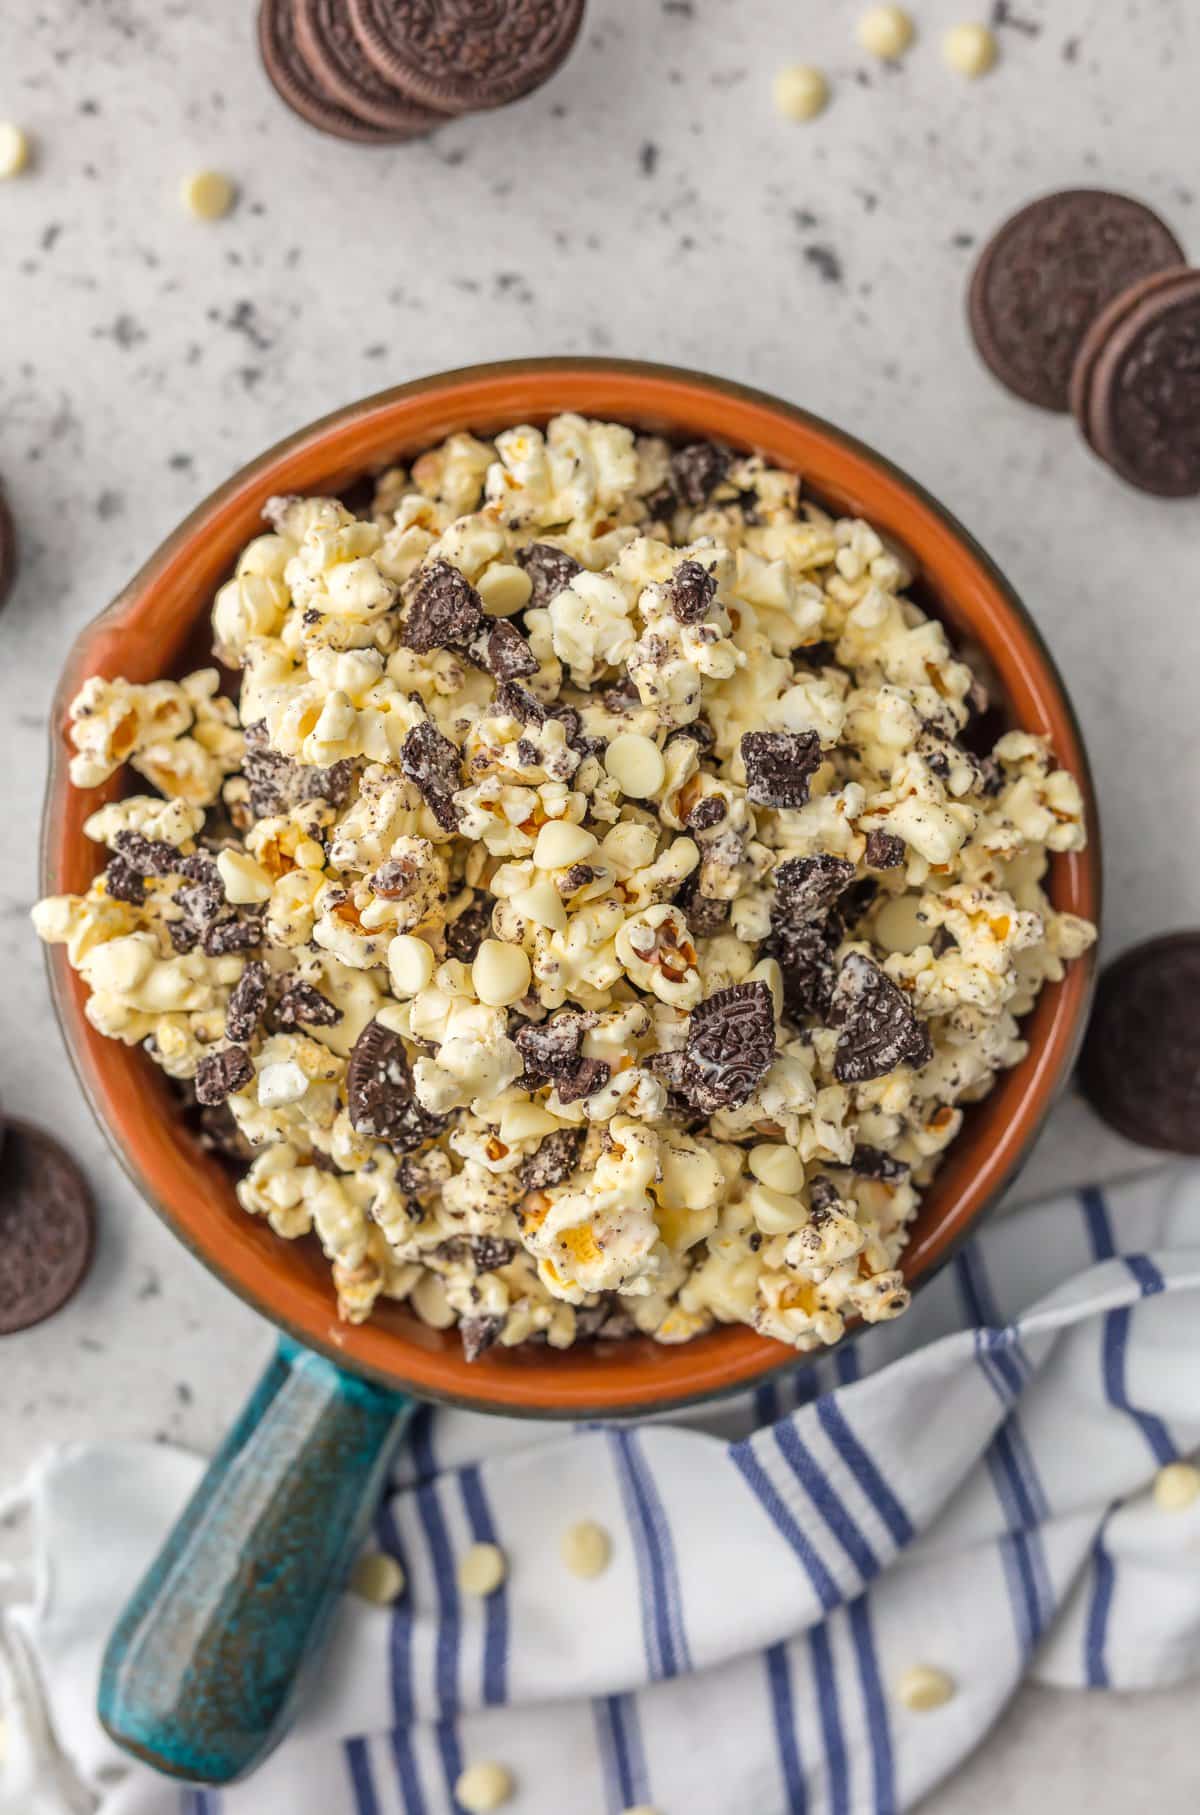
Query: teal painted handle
point(205, 1667)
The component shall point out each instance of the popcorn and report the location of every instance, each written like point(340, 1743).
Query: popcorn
point(502, 936)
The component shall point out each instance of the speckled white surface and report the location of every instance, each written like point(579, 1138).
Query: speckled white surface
point(646, 202)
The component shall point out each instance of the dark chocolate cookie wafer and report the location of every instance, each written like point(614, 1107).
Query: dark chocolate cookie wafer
point(1140, 1068)
point(1144, 398)
point(47, 1227)
point(8, 551)
point(460, 54)
point(332, 49)
point(1097, 338)
point(301, 87)
point(1045, 276)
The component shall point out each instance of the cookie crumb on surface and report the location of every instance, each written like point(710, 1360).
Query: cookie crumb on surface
point(924, 1687)
point(483, 1787)
point(15, 149)
point(801, 92)
point(377, 1578)
point(1176, 1486)
point(970, 50)
point(586, 1549)
point(482, 1570)
point(885, 31)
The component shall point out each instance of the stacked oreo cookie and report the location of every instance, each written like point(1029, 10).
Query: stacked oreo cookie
point(380, 72)
point(1083, 301)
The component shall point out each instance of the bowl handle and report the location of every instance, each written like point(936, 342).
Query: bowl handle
point(204, 1668)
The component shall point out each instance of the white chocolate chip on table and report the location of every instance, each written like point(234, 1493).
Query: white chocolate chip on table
point(885, 32)
point(483, 1787)
point(924, 1687)
point(1176, 1486)
point(800, 92)
point(482, 1570)
point(501, 966)
point(586, 1549)
point(208, 194)
point(15, 149)
point(970, 50)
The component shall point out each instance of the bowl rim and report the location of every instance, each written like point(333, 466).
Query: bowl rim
point(1050, 1062)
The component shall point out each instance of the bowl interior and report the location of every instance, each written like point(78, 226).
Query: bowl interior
point(155, 628)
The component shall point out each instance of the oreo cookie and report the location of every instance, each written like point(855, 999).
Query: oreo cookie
point(47, 1227)
point(8, 550)
point(301, 86)
point(333, 51)
point(453, 57)
point(1140, 1065)
point(1143, 400)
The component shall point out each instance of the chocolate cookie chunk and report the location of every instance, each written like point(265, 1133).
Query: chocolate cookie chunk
point(1140, 1067)
point(879, 1030)
point(479, 1334)
point(807, 887)
point(690, 591)
point(1144, 398)
point(47, 1227)
point(801, 950)
point(222, 1074)
point(554, 1159)
point(379, 1091)
point(432, 762)
point(1045, 276)
point(730, 1044)
point(444, 610)
point(697, 470)
point(247, 1002)
point(501, 650)
point(302, 1005)
point(452, 56)
point(301, 87)
point(550, 570)
point(779, 766)
point(333, 51)
point(8, 550)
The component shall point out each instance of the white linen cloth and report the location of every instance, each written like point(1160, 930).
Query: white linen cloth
point(966, 1488)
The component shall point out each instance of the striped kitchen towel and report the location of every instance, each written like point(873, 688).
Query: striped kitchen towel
point(966, 1491)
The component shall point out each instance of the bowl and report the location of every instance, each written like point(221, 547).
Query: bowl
point(155, 627)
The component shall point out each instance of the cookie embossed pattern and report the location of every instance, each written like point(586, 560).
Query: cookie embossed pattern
point(548, 1040)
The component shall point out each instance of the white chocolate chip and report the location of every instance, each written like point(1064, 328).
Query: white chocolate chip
point(14, 149)
point(482, 1569)
point(410, 964)
point(970, 50)
point(503, 589)
point(500, 974)
point(924, 1687)
point(886, 32)
point(559, 843)
point(635, 764)
point(243, 880)
point(586, 1549)
point(779, 1168)
point(775, 1212)
point(543, 905)
point(310, 855)
point(483, 1787)
point(377, 1578)
point(282, 1083)
point(208, 194)
point(800, 92)
point(1176, 1486)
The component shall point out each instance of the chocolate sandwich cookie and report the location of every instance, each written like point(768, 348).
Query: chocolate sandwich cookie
point(1098, 335)
point(8, 550)
point(47, 1227)
point(1143, 407)
point(1045, 276)
point(456, 55)
point(1140, 1067)
point(333, 51)
point(300, 86)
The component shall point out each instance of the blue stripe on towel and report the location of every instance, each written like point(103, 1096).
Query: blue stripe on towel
point(816, 1485)
point(362, 1782)
point(783, 1709)
point(1095, 1638)
point(825, 1678)
point(437, 1537)
point(877, 1723)
point(400, 1639)
point(1116, 1324)
point(662, 1617)
point(856, 1458)
point(769, 1497)
point(495, 1607)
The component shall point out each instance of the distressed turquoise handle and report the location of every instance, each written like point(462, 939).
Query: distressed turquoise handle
point(206, 1664)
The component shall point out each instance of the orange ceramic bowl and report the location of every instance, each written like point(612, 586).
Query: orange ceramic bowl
point(156, 627)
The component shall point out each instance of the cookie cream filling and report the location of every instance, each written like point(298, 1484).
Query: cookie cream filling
point(594, 910)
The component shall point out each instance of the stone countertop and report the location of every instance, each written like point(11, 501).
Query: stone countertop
point(646, 202)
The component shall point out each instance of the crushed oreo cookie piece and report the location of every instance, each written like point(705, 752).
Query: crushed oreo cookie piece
point(123, 883)
point(444, 610)
point(395, 879)
point(806, 966)
point(849, 909)
point(697, 470)
point(705, 915)
point(550, 570)
point(815, 655)
point(884, 851)
point(589, 1076)
point(576, 876)
point(465, 935)
point(519, 703)
point(879, 1030)
point(779, 766)
point(503, 651)
point(730, 1045)
point(690, 591)
point(221, 1074)
point(236, 934)
point(432, 762)
point(302, 1005)
point(807, 887)
point(148, 856)
point(553, 1049)
point(479, 1334)
point(276, 784)
point(872, 1162)
point(707, 813)
point(379, 1091)
point(247, 1002)
point(554, 1160)
point(490, 1252)
point(822, 1196)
